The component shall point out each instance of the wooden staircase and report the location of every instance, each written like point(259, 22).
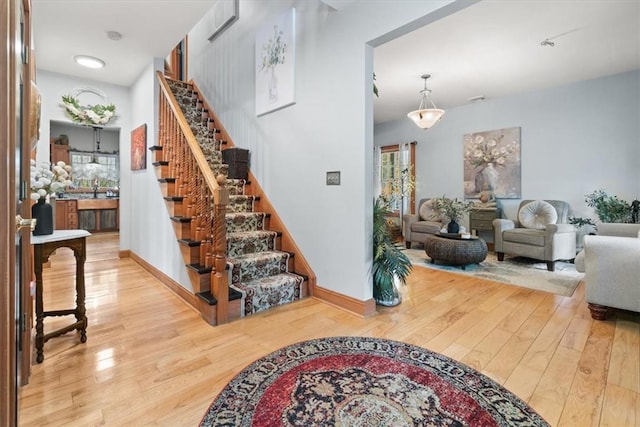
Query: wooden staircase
point(240, 257)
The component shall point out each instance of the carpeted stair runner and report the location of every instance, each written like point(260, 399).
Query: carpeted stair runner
point(257, 269)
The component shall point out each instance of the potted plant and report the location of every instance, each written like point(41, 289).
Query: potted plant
point(390, 265)
point(452, 209)
point(609, 208)
point(583, 226)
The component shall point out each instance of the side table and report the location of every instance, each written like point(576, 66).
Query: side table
point(481, 219)
point(43, 247)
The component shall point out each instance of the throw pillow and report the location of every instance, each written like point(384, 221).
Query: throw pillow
point(537, 215)
point(427, 213)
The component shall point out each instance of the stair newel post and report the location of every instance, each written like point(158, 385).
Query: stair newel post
point(219, 273)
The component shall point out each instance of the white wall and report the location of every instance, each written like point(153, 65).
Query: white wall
point(575, 139)
point(330, 128)
point(53, 86)
point(81, 138)
point(145, 227)
point(149, 231)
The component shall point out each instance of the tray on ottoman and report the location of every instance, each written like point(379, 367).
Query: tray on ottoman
point(455, 251)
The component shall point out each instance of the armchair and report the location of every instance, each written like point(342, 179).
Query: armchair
point(426, 221)
point(612, 271)
point(541, 232)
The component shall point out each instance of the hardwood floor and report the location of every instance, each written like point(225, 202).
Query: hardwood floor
point(151, 360)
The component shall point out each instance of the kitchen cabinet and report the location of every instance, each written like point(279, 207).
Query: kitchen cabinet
point(66, 214)
point(98, 214)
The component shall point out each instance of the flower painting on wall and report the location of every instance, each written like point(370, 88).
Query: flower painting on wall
point(492, 163)
point(275, 64)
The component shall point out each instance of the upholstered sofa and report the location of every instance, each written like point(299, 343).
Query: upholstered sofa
point(541, 232)
point(426, 221)
point(611, 263)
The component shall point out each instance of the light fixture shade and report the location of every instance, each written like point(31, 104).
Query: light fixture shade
point(89, 61)
point(427, 117)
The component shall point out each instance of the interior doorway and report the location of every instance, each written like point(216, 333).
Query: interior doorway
point(396, 172)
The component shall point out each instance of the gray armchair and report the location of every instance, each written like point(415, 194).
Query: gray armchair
point(541, 232)
point(426, 221)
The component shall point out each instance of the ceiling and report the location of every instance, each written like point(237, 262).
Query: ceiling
point(489, 49)
point(150, 29)
point(493, 49)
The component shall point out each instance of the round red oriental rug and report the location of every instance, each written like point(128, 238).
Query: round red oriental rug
point(358, 381)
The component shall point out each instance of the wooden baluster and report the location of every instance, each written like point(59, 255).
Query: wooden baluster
point(219, 278)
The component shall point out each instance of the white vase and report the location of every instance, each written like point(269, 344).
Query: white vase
point(273, 87)
point(491, 177)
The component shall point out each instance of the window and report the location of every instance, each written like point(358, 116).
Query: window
point(397, 177)
point(105, 172)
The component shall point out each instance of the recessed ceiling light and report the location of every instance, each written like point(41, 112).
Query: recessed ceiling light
point(89, 61)
point(114, 35)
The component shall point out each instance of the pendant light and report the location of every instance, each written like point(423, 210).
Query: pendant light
point(426, 117)
point(96, 144)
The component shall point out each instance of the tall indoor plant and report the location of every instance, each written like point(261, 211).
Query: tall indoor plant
point(390, 264)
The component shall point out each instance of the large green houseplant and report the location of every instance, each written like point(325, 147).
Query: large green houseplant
point(390, 264)
point(609, 208)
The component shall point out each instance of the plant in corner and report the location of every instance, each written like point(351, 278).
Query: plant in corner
point(390, 264)
point(453, 209)
point(609, 208)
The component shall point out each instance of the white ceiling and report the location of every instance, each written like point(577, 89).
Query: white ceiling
point(491, 48)
point(150, 29)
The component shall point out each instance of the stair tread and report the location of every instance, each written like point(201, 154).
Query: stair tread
point(270, 280)
point(252, 257)
point(256, 233)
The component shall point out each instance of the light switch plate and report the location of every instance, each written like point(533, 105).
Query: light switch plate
point(333, 178)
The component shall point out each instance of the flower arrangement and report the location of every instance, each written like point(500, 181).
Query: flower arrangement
point(273, 51)
point(452, 208)
point(89, 115)
point(483, 151)
point(47, 180)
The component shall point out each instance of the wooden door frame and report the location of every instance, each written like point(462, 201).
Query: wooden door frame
point(10, 62)
point(7, 216)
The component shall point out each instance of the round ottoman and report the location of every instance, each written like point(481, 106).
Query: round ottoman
point(454, 250)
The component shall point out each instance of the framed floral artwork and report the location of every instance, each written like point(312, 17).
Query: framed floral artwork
point(275, 64)
point(492, 163)
point(139, 148)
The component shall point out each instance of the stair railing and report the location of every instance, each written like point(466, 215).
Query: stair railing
point(200, 189)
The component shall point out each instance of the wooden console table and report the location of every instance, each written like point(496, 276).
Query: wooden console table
point(44, 246)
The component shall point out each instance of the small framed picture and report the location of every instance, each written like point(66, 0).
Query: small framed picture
point(139, 148)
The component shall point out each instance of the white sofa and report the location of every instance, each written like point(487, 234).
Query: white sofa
point(611, 263)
